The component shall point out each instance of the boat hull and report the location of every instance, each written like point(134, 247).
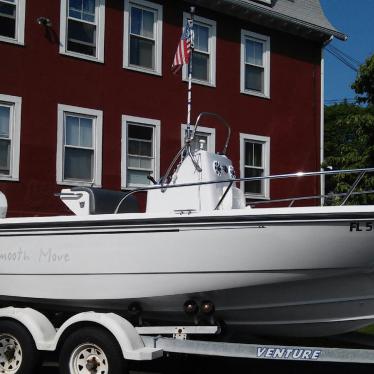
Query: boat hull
point(307, 274)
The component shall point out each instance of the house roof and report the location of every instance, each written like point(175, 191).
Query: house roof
point(302, 17)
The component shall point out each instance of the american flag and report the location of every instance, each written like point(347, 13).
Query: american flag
point(183, 53)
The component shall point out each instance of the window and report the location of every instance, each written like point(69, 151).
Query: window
point(143, 36)
point(255, 162)
point(10, 130)
point(12, 21)
point(79, 143)
point(206, 134)
point(140, 151)
point(255, 64)
point(82, 29)
point(204, 54)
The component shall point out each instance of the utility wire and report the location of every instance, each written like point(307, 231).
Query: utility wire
point(350, 58)
point(345, 100)
point(341, 57)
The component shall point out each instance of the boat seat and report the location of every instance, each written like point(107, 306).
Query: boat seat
point(102, 201)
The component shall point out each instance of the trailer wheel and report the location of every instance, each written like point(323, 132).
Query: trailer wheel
point(91, 350)
point(18, 354)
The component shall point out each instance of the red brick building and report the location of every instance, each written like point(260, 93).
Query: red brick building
point(87, 96)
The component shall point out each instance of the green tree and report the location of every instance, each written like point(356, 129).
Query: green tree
point(364, 84)
point(349, 137)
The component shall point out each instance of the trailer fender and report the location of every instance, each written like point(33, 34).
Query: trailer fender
point(129, 340)
point(38, 325)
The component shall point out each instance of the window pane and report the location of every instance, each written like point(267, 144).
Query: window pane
point(148, 22)
point(253, 186)
point(257, 154)
point(82, 32)
point(140, 148)
point(138, 177)
point(140, 162)
point(82, 38)
point(141, 52)
point(145, 149)
point(4, 156)
point(4, 121)
point(89, 10)
point(248, 153)
point(253, 51)
point(254, 78)
point(136, 21)
point(8, 9)
point(72, 130)
point(146, 163)
point(86, 132)
point(133, 162)
point(200, 64)
point(201, 38)
point(82, 9)
point(7, 27)
point(259, 54)
point(133, 146)
point(78, 164)
point(195, 145)
point(140, 132)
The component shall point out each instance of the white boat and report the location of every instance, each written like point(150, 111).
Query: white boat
point(197, 253)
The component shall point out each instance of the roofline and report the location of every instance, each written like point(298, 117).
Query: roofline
point(283, 17)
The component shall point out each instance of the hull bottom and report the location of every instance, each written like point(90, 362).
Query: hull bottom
point(311, 308)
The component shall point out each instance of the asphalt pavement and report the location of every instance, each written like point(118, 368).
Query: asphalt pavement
point(180, 364)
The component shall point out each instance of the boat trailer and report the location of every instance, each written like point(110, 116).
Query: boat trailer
point(150, 342)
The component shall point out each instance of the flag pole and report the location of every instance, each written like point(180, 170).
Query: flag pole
point(189, 95)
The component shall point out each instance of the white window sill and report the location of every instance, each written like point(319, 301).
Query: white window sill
point(143, 70)
point(256, 197)
point(201, 83)
point(76, 183)
point(11, 41)
point(82, 57)
point(255, 93)
point(132, 187)
point(9, 178)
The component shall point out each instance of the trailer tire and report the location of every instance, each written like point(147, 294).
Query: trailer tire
point(91, 349)
point(18, 353)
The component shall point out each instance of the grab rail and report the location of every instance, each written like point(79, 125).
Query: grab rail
point(187, 145)
point(217, 116)
point(232, 180)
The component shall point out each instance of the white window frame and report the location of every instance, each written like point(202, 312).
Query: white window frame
point(211, 132)
point(156, 124)
point(100, 32)
point(212, 48)
point(20, 24)
point(14, 134)
point(265, 141)
point(158, 8)
point(265, 40)
point(97, 143)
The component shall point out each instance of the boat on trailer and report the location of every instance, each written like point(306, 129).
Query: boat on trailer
point(197, 253)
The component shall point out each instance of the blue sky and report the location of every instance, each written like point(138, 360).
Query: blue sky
point(356, 19)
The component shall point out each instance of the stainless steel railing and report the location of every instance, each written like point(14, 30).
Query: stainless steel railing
point(362, 172)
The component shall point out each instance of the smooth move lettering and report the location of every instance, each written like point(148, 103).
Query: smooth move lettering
point(49, 256)
point(14, 256)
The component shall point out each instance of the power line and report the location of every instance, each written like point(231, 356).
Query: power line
point(339, 51)
point(339, 101)
point(341, 56)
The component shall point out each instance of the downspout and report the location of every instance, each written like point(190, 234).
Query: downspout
point(322, 125)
